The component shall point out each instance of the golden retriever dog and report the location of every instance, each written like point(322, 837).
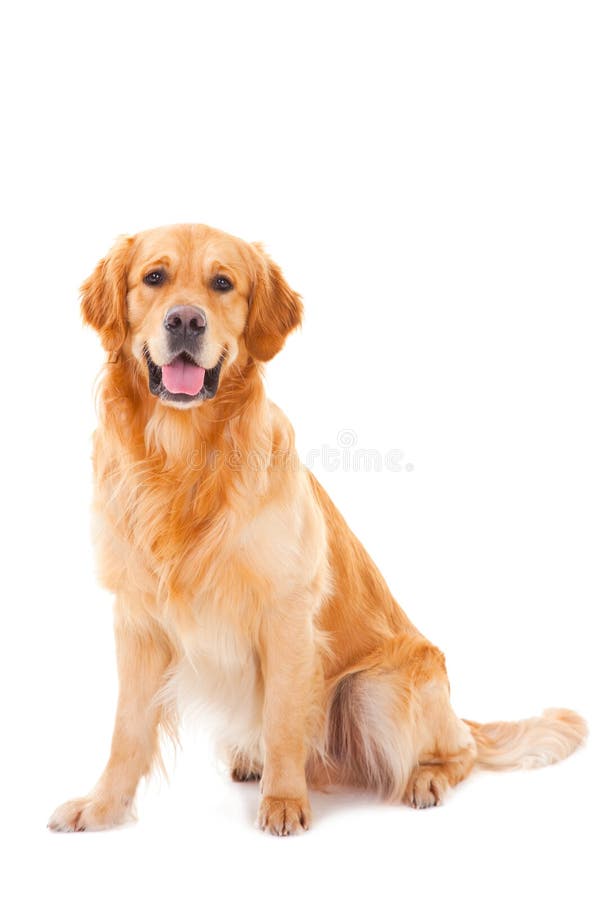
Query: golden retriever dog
point(237, 581)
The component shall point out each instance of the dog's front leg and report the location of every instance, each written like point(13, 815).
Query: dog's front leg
point(143, 656)
point(288, 664)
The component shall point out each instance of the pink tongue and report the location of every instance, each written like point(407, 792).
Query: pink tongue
point(182, 377)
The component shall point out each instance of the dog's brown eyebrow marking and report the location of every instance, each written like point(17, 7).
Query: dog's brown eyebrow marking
point(215, 265)
point(233, 269)
point(161, 261)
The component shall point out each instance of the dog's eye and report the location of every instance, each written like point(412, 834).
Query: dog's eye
point(154, 278)
point(222, 284)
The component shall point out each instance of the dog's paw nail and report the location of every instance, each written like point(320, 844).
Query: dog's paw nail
point(283, 816)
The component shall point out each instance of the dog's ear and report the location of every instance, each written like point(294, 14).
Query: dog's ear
point(103, 296)
point(275, 309)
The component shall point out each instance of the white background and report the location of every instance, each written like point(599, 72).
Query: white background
point(427, 174)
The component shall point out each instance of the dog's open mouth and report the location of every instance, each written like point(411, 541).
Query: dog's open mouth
point(182, 380)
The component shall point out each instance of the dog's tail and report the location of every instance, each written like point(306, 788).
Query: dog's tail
point(529, 743)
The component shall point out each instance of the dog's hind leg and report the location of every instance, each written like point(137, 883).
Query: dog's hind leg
point(429, 781)
point(242, 768)
point(391, 727)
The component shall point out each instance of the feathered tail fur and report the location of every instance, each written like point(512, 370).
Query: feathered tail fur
point(529, 743)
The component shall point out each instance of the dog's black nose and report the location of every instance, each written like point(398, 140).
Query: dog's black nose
point(185, 320)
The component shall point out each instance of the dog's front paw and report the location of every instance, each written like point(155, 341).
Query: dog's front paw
point(284, 816)
point(90, 814)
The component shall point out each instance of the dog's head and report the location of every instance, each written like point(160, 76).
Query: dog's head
point(188, 302)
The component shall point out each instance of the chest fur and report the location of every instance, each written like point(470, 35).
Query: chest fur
point(179, 535)
point(208, 555)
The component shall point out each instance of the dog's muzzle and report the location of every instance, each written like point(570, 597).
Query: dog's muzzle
point(183, 380)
